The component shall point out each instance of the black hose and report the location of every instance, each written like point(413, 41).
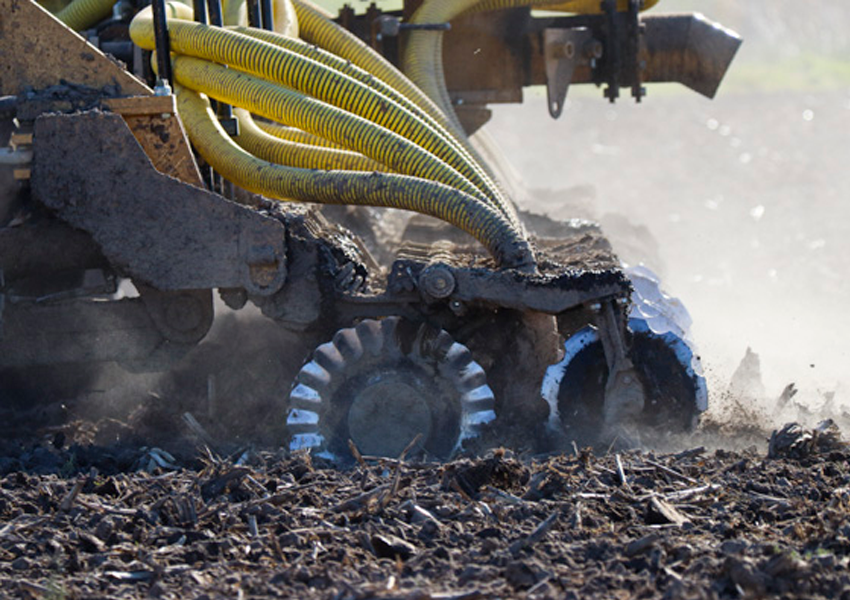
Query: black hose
point(215, 13)
point(200, 11)
point(255, 18)
point(224, 111)
point(268, 18)
point(163, 45)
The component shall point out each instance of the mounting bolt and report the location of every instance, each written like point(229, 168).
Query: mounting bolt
point(162, 88)
point(593, 49)
point(563, 50)
point(457, 307)
point(264, 265)
point(437, 281)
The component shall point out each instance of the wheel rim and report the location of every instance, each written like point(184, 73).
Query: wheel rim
point(574, 388)
point(381, 384)
point(393, 401)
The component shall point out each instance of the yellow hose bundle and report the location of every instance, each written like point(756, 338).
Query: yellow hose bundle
point(343, 66)
point(317, 27)
point(312, 78)
point(342, 187)
point(334, 127)
point(347, 68)
point(289, 107)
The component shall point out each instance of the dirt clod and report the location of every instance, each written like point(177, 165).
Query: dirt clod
point(79, 521)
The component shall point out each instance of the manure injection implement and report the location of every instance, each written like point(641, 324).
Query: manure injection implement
point(193, 150)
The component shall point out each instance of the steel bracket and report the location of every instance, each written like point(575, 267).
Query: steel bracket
point(159, 230)
point(564, 50)
point(624, 393)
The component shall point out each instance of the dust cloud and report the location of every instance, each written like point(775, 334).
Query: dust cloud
point(739, 203)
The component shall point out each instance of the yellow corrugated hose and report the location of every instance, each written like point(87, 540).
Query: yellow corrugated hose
point(293, 134)
point(292, 154)
point(371, 125)
point(317, 28)
point(80, 14)
point(355, 72)
point(344, 66)
point(342, 187)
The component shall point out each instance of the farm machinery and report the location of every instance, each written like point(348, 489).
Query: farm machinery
point(320, 167)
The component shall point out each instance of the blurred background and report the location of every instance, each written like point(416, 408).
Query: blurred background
point(744, 198)
point(741, 203)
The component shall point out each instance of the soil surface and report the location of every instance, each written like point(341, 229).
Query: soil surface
point(82, 519)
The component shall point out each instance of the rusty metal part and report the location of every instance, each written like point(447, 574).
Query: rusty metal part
point(484, 58)
point(38, 51)
point(683, 48)
point(163, 232)
point(152, 119)
point(689, 49)
point(490, 57)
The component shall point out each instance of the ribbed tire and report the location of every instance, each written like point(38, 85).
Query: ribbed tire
point(382, 383)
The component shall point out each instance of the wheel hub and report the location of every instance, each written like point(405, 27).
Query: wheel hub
point(387, 415)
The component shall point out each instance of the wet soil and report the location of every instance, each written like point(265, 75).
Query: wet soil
point(120, 520)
